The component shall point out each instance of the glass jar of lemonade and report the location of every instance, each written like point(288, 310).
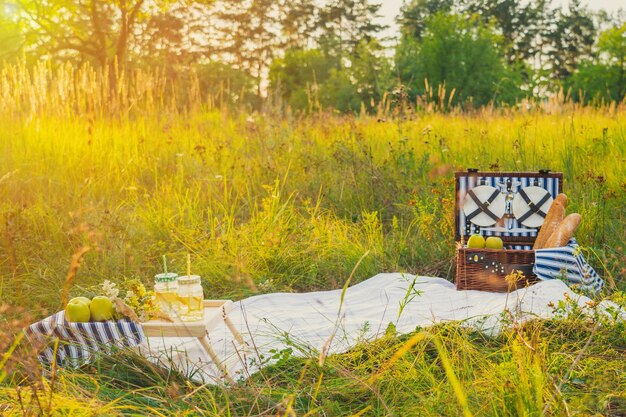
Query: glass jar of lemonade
point(190, 298)
point(166, 293)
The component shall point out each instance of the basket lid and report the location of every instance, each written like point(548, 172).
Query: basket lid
point(511, 205)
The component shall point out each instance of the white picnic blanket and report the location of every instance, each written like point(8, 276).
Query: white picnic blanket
point(272, 324)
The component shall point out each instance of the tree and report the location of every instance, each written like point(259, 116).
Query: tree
point(570, 39)
point(460, 54)
point(310, 79)
point(225, 84)
point(98, 31)
point(161, 41)
point(594, 82)
point(299, 21)
point(339, 92)
point(348, 66)
point(519, 23)
point(414, 15)
point(371, 73)
point(345, 23)
point(297, 76)
point(249, 35)
point(178, 34)
point(613, 43)
point(361, 84)
point(604, 78)
point(519, 26)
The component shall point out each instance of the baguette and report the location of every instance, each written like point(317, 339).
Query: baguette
point(551, 222)
point(564, 232)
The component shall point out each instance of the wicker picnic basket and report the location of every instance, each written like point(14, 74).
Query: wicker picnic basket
point(510, 205)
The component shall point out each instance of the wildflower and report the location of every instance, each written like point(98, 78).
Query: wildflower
point(141, 290)
point(514, 277)
point(110, 289)
point(130, 298)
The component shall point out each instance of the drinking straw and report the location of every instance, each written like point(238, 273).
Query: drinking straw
point(188, 264)
point(164, 264)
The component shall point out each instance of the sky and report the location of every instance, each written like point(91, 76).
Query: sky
point(391, 8)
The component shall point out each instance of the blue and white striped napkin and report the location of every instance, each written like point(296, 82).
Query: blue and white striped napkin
point(567, 263)
point(79, 343)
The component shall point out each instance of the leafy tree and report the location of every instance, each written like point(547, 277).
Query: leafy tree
point(298, 75)
point(98, 31)
point(461, 54)
point(249, 35)
point(613, 43)
point(345, 23)
point(519, 23)
point(233, 31)
point(570, 39)
point(371, 72)
point(161, 41)
point(519, 26)
point(225, 84)
point(414, 16)
point(299, 20)
point(310, 79)
point(604, 78)
point(362, 84)
point(348, 66)
point(594, 82)
point(339, 92)
point(177, 35)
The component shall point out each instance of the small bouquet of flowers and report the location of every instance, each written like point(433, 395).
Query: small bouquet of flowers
point(137, 303)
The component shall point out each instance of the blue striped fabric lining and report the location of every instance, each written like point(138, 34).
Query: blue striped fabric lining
point(80, 342)
point(567, 263)
point(466, 183)
point(518, 247)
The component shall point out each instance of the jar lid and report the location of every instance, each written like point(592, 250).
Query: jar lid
point(169, 277)
point(189, 279)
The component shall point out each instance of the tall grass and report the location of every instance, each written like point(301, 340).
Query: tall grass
point(291, 203)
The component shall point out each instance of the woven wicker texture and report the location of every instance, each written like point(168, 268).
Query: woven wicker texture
point(487, 269)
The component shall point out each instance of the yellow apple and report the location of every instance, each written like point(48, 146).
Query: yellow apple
point(494, 242)
point(101, 308)
point(77, 311)
point(476, 242)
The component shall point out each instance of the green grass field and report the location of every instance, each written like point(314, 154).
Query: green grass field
point(268, 203)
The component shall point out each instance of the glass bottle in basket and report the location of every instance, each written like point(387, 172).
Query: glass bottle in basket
point(166, 293)
point(191, 298)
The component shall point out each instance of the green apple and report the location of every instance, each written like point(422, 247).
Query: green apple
point(81, 299)
point(494, 242)
point(77, 311)
point(101, 308)
point(476, 242)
